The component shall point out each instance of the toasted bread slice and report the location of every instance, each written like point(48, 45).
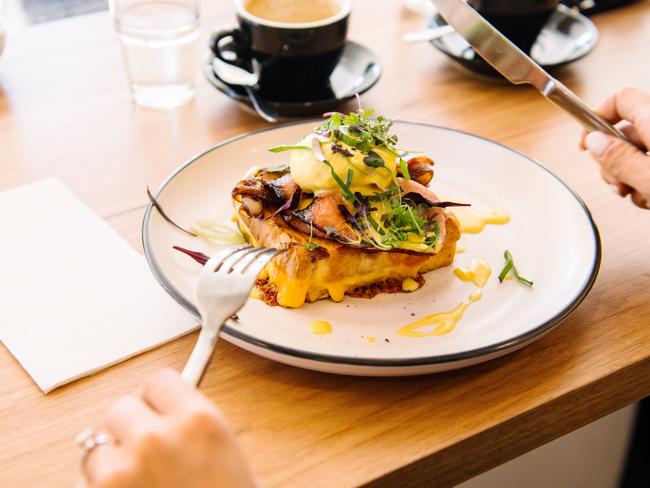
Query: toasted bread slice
point(333, 269)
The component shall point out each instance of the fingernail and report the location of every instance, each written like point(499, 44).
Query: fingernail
point(597, 143)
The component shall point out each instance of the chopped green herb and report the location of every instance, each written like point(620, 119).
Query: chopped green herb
point(373, 160)
point(278, 149)
point(277, 169)
point(405, 169)
point(360, 131)
point(348, 179)
point(344, 186)
point(510, 267)
point(312, 246)
point(504, 272)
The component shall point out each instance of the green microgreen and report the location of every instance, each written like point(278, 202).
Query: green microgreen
point(361, 131)
point(277, 169)
point(510, 267)
point(311, 246)
point(404, 169)
point(279, 149)
point(343, 185)
point(373, 160)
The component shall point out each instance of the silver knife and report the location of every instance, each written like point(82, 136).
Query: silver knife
point(516, 66)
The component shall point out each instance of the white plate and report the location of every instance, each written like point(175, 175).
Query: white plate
point(551, 235)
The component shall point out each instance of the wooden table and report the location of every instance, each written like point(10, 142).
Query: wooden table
point(65, 111)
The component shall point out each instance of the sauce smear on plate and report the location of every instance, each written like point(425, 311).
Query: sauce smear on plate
point(320, 327)
point(442, 323)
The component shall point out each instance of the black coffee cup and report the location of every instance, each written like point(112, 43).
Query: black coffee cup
point(293, 57)
point(521, 21)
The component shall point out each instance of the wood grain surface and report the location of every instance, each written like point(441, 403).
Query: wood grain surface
point(65, 111)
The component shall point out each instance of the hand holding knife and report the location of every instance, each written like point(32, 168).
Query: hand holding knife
point(516, 66)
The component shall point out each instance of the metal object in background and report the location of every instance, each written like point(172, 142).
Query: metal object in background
point(516, 66)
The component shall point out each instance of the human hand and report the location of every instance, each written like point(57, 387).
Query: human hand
point(621, 164)
point(166, 436)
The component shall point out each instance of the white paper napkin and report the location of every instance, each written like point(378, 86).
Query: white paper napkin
point(74, 296)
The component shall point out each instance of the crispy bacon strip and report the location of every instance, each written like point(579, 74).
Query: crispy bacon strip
point(281, 189)
point(325, 216)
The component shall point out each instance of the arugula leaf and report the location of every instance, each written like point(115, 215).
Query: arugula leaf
point(510, 267)
point(278, 149)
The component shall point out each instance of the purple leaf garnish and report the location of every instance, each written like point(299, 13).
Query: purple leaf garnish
point(199, 257)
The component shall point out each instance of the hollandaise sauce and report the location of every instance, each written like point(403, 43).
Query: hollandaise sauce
point(442, 323)
point(320, 327)
point(473, 222)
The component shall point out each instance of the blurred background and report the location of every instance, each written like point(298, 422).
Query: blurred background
point(24, 12)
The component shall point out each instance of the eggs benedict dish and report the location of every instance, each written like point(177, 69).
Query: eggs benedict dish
point(354, 213)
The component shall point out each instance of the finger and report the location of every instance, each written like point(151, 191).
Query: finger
point(632, 133)
point(581, 145)
point(632, 105)
point(607, 177)
point(167, 393)
point(626, 128)
point(623, 189)
point(624, 162)
point(127, 416)
point(105, 465)
point(618, 187)
point(639, 200)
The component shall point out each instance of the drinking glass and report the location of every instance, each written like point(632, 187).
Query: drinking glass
point(159, 43)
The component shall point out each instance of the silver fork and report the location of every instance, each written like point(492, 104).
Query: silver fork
point(223, 288)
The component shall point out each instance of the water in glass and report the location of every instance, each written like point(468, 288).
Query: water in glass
point(159, 40)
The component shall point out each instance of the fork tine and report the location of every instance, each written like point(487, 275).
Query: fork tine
point(245, 260)
point(217, 259)
point(256, 264)
point(230, 265)
point(232, 254)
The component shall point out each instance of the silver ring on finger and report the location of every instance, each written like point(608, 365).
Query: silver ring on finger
point(88, 440)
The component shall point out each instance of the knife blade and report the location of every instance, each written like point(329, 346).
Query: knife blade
point(515, 65)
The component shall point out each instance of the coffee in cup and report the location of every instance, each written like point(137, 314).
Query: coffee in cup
point(296, 43)
point(521, 21)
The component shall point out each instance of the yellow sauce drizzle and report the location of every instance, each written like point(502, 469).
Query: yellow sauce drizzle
point(473, 222)
point(320, 327)
point(370, 339)
point(478, 273)
point(459, 249)
point(444, 322)
point(409, 284)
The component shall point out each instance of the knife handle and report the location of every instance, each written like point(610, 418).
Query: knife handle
point(590, 120)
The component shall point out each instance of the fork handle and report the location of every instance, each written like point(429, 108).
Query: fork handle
point(200, 357)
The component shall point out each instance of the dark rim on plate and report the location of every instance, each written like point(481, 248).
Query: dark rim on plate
point(499, 347)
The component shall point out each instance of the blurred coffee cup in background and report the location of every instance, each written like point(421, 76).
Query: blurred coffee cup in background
point(521, 21)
